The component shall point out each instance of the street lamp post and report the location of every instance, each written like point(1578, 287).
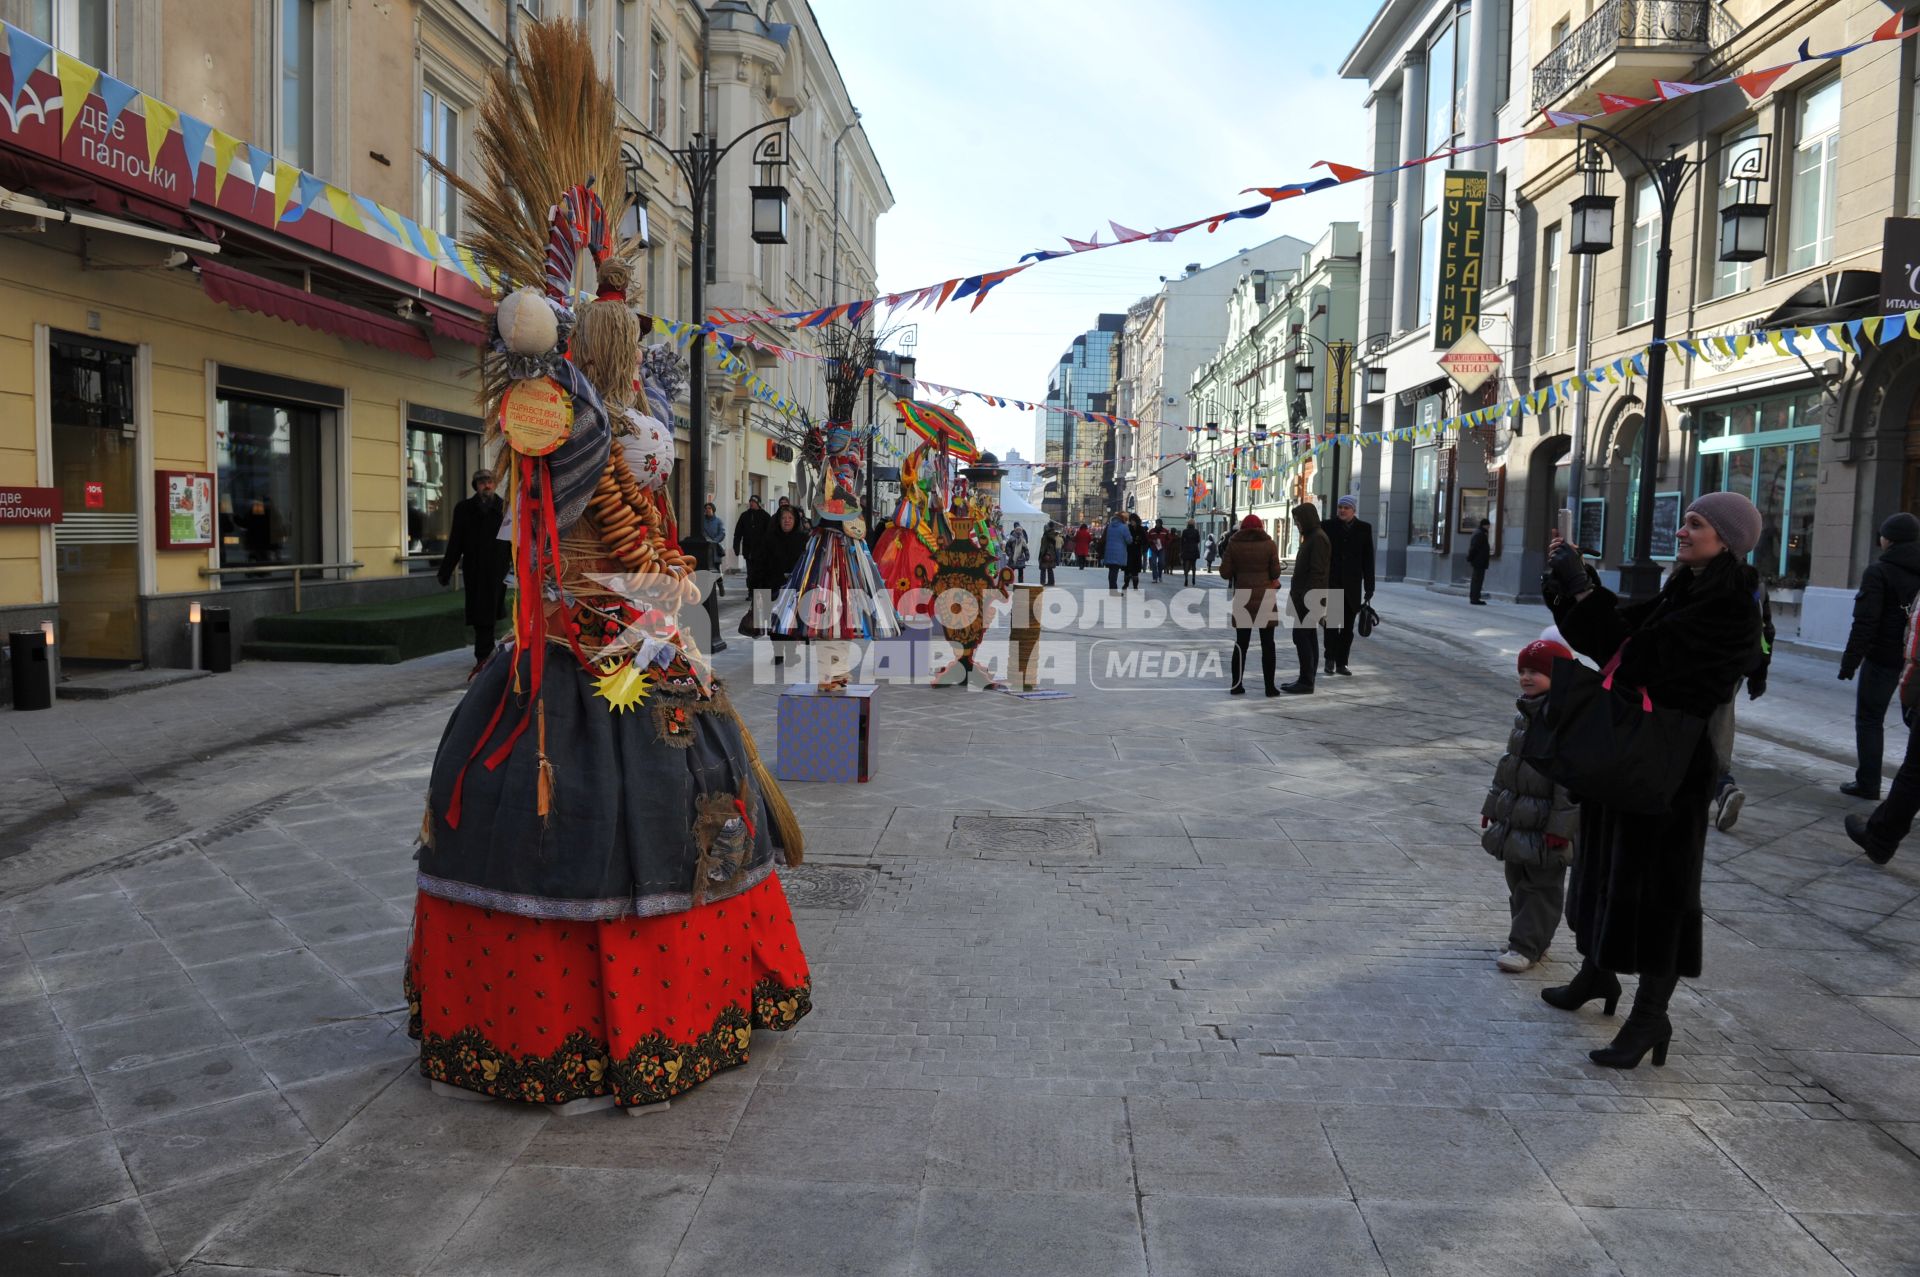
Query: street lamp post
point(1593, 233)
point(699, 163)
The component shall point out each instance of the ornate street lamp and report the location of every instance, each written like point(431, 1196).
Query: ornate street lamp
point(1743, 223)
point(1303, 378)
point(1213, 432)
point(1591, 224)
point(1376, 380)
point(769, 214)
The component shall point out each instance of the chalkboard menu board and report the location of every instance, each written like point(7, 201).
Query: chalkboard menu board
point(1591, 529)
point(1666, 522)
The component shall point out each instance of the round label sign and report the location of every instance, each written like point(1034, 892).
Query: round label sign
point(536, 416)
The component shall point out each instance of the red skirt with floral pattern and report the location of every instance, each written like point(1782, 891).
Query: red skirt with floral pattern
point(640, 1008)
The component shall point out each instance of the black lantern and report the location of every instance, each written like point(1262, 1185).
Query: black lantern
point(769, 214)
point(633, 222)
point(1303, 379)
point(1376, 380)
point(1743, 232)
point(1260, 434)
point(1213, 432)
point(1592, 223)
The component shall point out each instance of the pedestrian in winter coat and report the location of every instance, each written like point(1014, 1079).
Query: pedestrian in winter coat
point(1349, 576)
point(1049, 552)
point(749, 530)
point(1312, 573)
point(1251, 566)
point(1881, 834)
point(1189, 550)
point(1887, 590)
point(1159, 539)
point(769, 566)
point(1479, 554)
point(1213, 550)
point(1633, 898)
point(1015, 554)
point(1530, 822)
point(1136, 550)
point(1114, 550)
point(474, 542)
point(1082, 545)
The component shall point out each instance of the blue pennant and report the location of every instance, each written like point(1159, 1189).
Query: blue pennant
point(193, 137)
point(27, 52)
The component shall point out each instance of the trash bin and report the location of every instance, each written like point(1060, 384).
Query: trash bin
point(216, 639)
point(32, 673)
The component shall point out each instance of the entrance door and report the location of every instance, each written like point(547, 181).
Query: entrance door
point(97, 545)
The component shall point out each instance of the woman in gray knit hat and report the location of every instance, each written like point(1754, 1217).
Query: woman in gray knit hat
point(1633, 898)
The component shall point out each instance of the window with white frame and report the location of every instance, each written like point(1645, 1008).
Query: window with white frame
point(80, 29)
point(1816, 168)
point(688, 125)
point(1644, 206)
point(302, 98)
point(439, 140)
point(1550, 257)
point(657, 84)
point(623, 51)
point(1446, 90)
point(1735, 144)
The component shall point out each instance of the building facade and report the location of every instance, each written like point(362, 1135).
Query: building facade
point(1441, 74)
point(1823, 442)
point(277, 335)
point(1081, 382)
point(1253, 450)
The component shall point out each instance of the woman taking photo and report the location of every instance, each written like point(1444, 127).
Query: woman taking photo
point(1633, 898)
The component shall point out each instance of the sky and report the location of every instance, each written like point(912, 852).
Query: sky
point(1005, 126)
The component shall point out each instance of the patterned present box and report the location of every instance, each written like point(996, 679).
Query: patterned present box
point(826, 736)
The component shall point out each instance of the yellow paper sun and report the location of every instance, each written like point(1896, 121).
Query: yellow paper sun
point(624, 688)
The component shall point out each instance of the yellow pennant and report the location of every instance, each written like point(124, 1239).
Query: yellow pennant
point(76, 84)
point(344, 209)
point(285, 178)
point(161, 120)
point(1871, 327)
point(1913, 323)
point(225, 146)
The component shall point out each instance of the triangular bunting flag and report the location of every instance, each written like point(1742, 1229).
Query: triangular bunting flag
point(286, 178)
point(1124, 235)
point(1559, 118)
point(1888, 30)
point(1670, 89)
point(1614, 103)
point(1757, 84)
point(1342, 172)
point(225, 147)
point(114, 95)
point(160, 121)
point(1777, 339)
point(76, 85)
point(1913, 323)
point(193, 138)
point(260, 167)
point(27, 52)
point(1871, 326)
point(1828, 333)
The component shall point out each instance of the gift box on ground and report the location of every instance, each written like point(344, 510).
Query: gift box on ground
point(826, 736)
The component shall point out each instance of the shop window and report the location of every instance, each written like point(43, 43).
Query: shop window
point(80, 29)
point(1426, 474)
point(1816, 168)
point(1768, 450)
point(272, 461)
point(440, 466)
point(439, 140)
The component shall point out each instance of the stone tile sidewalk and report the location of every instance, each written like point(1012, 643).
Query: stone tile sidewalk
point(1154, 981)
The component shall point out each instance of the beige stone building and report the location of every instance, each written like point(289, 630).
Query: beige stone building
point(1820, 440)
point(273, 338)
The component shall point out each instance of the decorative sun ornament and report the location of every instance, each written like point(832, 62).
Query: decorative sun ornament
point(623, 686)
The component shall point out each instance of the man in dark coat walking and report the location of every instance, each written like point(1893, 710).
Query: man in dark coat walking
point(1310, 579)
point(1349, 577)
point(475, 542)
point(1875, 643)
point(749, 530)
point(1479, 554)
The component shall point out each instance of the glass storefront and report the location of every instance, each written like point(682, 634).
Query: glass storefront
point(271, 461)
point(96, 468)
point(440, 464)
point(1769, 451)
point(1426, 473)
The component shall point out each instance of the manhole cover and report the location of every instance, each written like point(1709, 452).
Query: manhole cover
point(1022, 834)
point(820, 887)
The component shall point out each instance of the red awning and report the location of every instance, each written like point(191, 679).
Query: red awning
point(245, 291)
point(456, 327)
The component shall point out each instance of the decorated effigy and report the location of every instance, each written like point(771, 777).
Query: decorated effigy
point(967, 584)
point(835, 593)
point(598, 916)
point(907, 551)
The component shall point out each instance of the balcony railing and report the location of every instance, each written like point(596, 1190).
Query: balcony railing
point(1679, 26)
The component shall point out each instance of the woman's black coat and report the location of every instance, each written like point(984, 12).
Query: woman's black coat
point(772, 563)
point(1633, 900)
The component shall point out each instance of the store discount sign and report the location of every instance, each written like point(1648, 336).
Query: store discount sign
point(30, 505)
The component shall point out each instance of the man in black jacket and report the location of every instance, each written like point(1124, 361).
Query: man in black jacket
point(1874, 644)
point(749, 530)
point(1479, 554)
point(1350, 578)
point(475, 542)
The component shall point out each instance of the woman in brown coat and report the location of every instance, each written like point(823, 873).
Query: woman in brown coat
point(1251, 565)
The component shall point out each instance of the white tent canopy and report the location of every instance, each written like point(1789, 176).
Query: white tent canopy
point(1014, 506)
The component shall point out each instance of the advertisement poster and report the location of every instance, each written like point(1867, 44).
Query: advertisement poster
point(186, 509)
point(1463, 248)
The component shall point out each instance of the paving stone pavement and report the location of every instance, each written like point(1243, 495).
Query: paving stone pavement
point(1144, 981)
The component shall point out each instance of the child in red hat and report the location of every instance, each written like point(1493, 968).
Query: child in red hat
point(1530, 822)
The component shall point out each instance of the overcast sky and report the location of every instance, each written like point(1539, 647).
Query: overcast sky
point(1004, 125)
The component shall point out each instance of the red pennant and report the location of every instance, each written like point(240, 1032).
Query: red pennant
point(1888, 30)
point(1614, 103)
point(1344, 172)
point(1757, 84)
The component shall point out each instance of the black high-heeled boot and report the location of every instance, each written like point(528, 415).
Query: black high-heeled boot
point(1588, 983)
point(1644, 1031)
